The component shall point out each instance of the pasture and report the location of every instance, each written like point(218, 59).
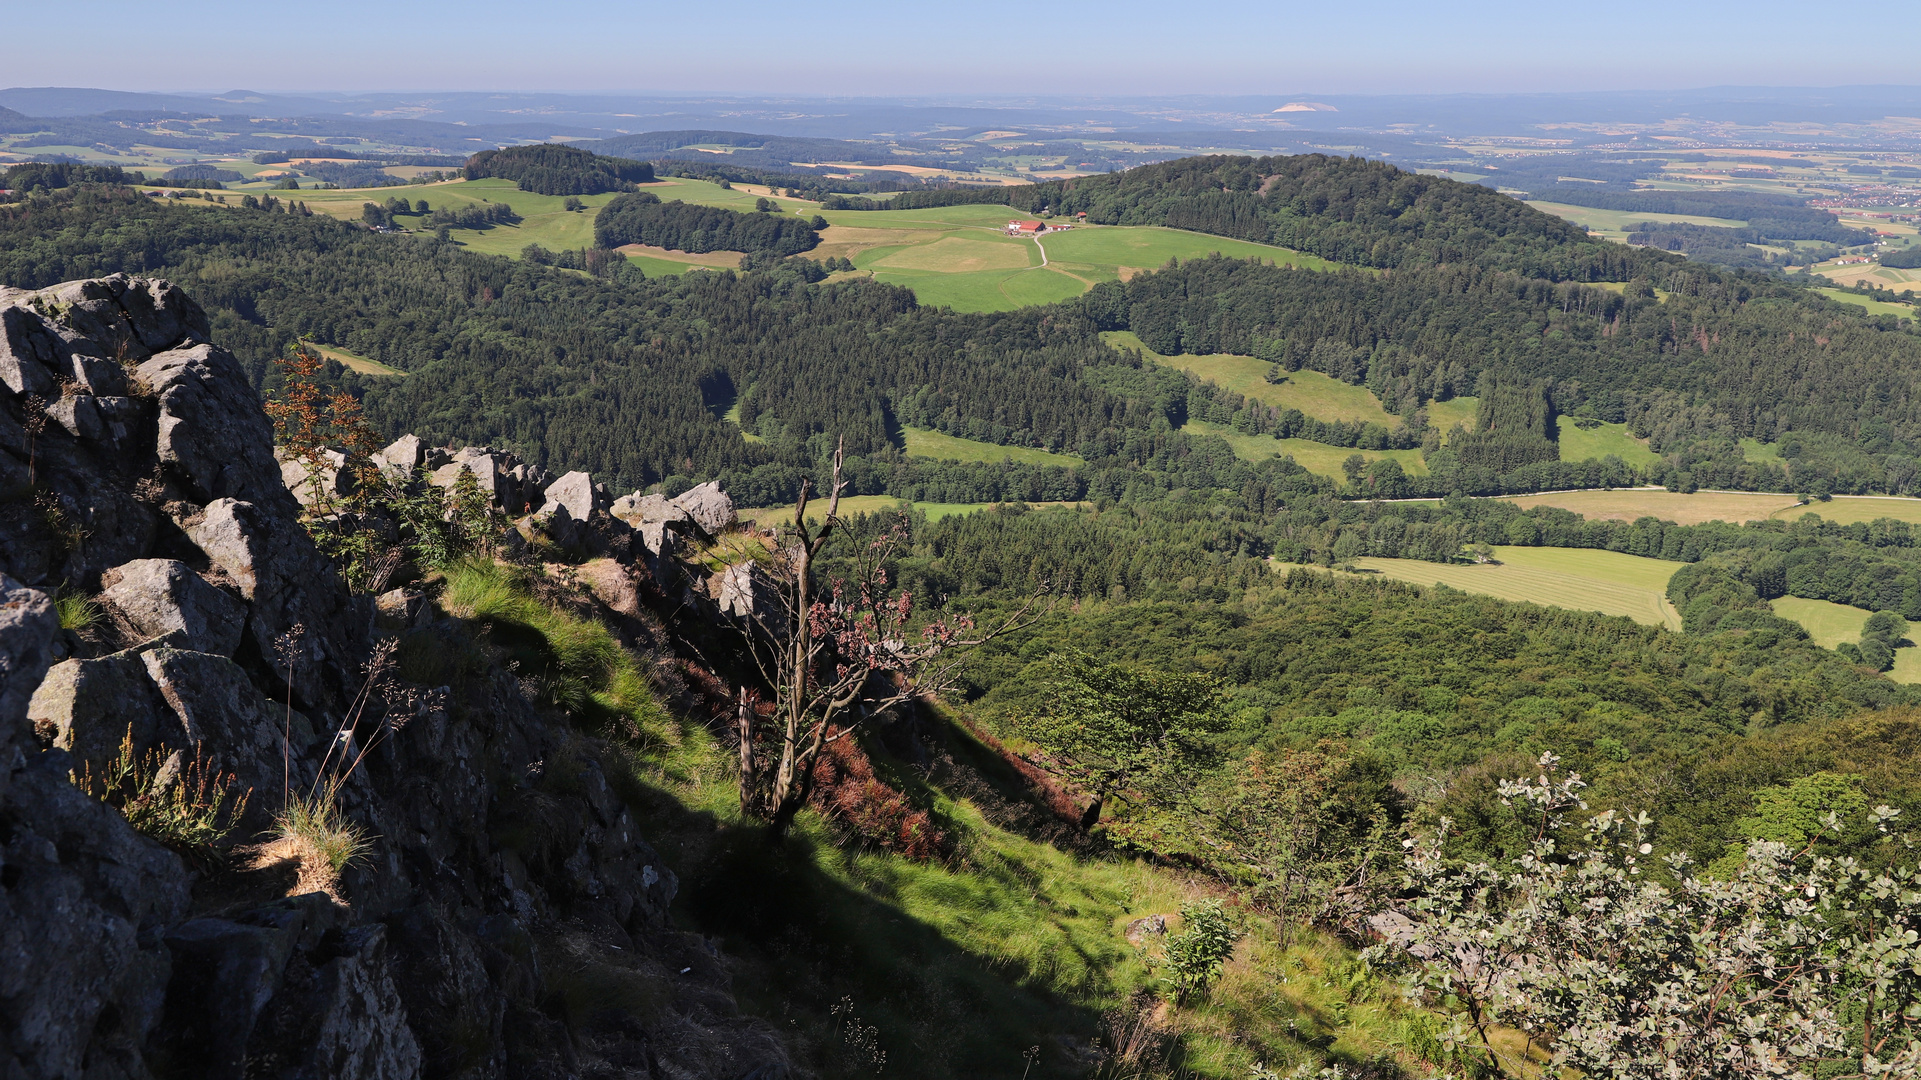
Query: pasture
point(1631, 504)
point(1884, 277)
point(1614, 224)
point(1578, 444)
point(353, 362)
point(1315, 457)
point(960, 257)
point(850, 505)
point(1830, 624)
point(1314, 394)
point(1578, 579)
point(934, 444)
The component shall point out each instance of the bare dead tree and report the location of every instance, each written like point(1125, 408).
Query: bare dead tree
point(835, 661)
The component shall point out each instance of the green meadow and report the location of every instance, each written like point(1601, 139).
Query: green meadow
point(869, 504)
point(1579, 579)
point(1830, 624)
point(1873, 306)
point(961, 257)
point(1314, 457)
point(933, 444)
point(1615, 223)
point(1579, 444)
point(1314, 394)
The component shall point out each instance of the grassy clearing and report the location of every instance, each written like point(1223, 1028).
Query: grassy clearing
point(934, 444)
point(869, 504)
point(1613, 222)
point(1873, 306)
point(1830, 624)
point(354, 363)
point(1152, 246)
point(1630, 504)
point(1314, 394)
point(1848, 509)
point(1578, 444)
point(1579, 579)
point(1759, 452)
point(1314, 457)
point(1446, 414)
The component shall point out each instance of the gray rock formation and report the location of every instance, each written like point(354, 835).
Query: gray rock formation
point(163, 596)
point(709, 507)
point(158, 492)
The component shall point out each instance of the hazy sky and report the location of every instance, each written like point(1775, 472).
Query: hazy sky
point(966, 46)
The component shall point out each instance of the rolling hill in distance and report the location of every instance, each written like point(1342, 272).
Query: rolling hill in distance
point(1314, 484)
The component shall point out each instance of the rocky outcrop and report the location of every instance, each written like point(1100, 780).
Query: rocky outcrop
point(137, 469)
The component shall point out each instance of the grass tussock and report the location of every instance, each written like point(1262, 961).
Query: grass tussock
point(315, 833)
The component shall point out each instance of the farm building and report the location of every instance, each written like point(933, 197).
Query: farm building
point(1026, 228)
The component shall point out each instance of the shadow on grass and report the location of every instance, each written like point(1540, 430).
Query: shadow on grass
point(823, 946)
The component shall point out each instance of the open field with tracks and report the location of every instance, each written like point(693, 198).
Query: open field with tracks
point(961, 256)
point(1314, 394)
point(1314, 457)
point(1579, 579)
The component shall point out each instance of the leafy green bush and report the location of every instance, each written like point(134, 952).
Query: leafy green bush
point(1195, 956)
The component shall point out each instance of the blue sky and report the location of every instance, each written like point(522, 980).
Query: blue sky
point(971, 46)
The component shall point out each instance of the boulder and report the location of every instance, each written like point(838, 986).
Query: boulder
point(709, 507)
point(87, 707)
point(744, 592)
point(83, 903)
point(212, 430)
point(124, 318)
point(577, 494)
point(402, 456)
point(78, 415)
point(163, 596)
point(225, 973)
point(334, 480)
point(30, 352)
point(232, 534)
point(28, 626)
point(214, 707)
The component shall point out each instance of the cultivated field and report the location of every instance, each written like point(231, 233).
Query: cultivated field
point(1579, 579)
point(934, 444)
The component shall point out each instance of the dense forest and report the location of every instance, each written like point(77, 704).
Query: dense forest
point(553, 169)
point(641, 218)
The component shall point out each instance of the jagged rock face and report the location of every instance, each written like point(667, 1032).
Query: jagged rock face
point(136, 465)
point(709, 507)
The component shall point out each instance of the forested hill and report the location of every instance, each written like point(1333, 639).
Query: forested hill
point(629, 377)
point(1350, 210)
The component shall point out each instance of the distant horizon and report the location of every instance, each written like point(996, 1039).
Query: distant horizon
point(1115, 47)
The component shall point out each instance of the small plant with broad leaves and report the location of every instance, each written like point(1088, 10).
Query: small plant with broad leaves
point(1195, 956)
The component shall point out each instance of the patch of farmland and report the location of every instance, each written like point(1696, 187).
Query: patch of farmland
point(1579, 579)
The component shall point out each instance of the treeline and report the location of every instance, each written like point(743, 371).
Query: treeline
point(60, 174)
point(1905, 259)
point(641, 218)
point(554, 169)
point(1723, 247)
